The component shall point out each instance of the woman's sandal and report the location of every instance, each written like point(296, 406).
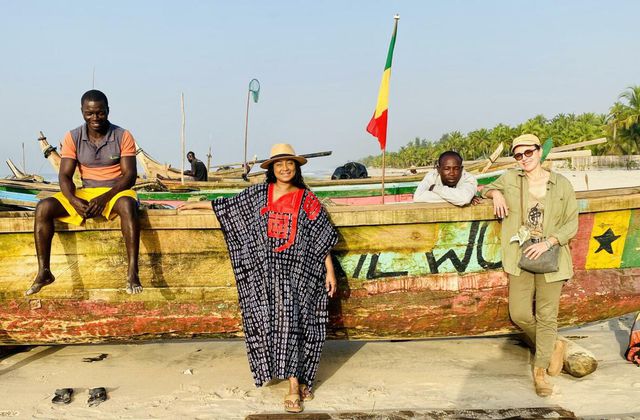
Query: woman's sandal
point(292, 403)
point(62, 396)
point(97, 396)
point(305, 393)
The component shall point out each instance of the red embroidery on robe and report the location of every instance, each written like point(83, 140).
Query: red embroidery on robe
point(282, 220)
point(312, 206)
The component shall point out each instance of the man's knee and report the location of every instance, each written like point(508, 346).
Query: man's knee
point(126, 208)
point(48, 209)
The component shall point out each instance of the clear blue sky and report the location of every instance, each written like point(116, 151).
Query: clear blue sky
point(458, 65)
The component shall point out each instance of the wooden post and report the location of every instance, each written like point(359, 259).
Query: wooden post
point(246, 131)
point(383, 170)
point(209, 160)
point(182, 140)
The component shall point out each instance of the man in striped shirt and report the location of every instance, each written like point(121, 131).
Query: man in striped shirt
point(105, 156)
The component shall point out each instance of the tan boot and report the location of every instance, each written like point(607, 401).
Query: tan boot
point(543, 387)
point(557, 358)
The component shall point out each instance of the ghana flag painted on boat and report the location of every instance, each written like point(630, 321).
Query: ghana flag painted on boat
point(378, 124)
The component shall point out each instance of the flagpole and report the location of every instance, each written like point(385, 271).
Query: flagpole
point(383, 170)
point(182, 141)
point(246, 132)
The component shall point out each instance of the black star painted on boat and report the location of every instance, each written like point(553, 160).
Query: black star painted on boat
point(605, 241)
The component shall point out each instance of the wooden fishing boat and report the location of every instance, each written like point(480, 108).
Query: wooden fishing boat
point(405, 271)
point(156, 170)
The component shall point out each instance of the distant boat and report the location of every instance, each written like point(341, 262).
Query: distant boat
point(405, 271)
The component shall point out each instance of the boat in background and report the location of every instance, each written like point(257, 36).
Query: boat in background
point(404, 271)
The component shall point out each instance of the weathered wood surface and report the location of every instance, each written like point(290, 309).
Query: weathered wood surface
point(428, 414)
point(405, 271)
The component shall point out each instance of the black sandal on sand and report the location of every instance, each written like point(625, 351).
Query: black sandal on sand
point(96, 396)
point(305, 393)
point(292, 403)
point(62, 396)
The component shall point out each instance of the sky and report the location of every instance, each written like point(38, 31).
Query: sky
point(458, 65)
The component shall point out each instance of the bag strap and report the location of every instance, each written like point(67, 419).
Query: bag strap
point(521, 200)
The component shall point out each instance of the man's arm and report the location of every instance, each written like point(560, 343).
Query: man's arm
point(462, 194)
point(68, 188)
point(423, 193)
point(192, 171)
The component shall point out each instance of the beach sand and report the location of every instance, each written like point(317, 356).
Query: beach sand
point(211, 379)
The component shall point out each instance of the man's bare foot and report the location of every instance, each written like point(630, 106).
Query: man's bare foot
point(133, 285)
point(43, 278)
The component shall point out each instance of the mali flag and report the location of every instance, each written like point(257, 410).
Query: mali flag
point(378, 124)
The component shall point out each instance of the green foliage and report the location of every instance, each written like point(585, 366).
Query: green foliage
point(621, 127)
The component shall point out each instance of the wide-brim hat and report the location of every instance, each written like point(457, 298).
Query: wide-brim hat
point(282, 151)
point(525, 140)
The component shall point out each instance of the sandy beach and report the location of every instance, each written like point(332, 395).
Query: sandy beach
point(211, 379)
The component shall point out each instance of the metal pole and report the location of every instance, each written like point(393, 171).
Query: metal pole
point(24, 161)
point(182, 140)
point(246, 133)
point(383, 170)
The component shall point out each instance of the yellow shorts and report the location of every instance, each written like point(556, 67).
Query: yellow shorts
point(88, 194)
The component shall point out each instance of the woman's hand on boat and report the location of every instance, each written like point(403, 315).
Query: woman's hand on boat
point(534, 251)
point(500, 208)
point(192, 205)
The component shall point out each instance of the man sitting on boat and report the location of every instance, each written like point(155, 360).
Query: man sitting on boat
point(198, 169)
point(448, 182)
point(105, 155)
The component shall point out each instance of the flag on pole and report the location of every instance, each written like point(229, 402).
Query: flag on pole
point(378, 124)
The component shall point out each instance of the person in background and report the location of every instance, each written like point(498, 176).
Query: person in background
point(198, 169)
point(550, 218)
point(448, 182)
point(105, 155)
point(279, 238)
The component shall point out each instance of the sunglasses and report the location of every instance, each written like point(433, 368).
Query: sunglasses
point(526, 153)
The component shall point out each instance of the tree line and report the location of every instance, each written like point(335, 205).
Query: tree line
point(621, 127)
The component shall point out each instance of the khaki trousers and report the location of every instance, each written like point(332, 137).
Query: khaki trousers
point(541, 329)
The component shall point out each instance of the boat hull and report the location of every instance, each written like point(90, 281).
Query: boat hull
point(405, 271)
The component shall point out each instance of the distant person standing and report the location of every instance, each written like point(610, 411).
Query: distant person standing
point(198, 168)
point(105, 155)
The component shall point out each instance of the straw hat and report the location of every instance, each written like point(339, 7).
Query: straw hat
point(525, 140)
point(282, 151)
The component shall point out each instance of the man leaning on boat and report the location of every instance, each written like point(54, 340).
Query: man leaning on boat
point(105, 156)
point(448, 182)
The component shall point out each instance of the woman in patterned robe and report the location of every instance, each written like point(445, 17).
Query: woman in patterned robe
point(279, 238)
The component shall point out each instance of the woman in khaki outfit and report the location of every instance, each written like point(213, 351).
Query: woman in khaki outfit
point(550, 217)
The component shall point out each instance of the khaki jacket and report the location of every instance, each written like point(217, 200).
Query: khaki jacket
point(560, 219)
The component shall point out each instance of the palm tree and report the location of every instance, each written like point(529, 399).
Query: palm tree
point(632, 109)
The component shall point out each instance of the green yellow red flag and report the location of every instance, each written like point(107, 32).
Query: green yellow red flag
point(378, 124)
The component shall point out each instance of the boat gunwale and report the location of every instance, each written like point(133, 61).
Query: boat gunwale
point(341, 216)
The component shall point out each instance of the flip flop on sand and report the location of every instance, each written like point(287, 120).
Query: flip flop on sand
point(62, 396)
point(305, 393)
point(97, 396)
point(292, 403)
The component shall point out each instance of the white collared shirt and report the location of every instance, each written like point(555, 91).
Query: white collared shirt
point(460, 195)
